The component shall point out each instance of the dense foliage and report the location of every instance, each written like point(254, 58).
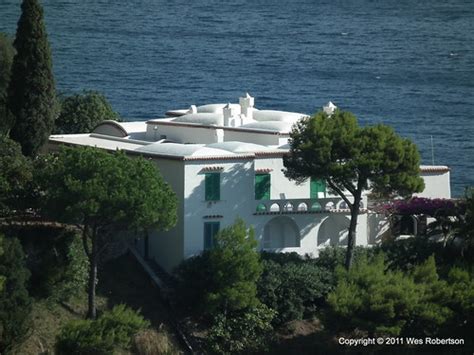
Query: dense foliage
point(58, 265)
point(15, 302)
point(335, 148)
point(15, 173)
point(235, 268)
point(294, 289)
point(369, 297)
point(113, 330)
point(7, 52)
point(80, 113)
point(104, 193)
point(31, 93)
point(224, 278)
point(247, 331)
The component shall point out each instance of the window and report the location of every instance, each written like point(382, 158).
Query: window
point(262, 186)
point(210, 231)
point(213, 186)
point(317, 186)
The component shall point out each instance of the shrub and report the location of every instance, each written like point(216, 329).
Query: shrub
point(380, 301)
point(57, 262)
point(113, 329)
point(193, 282)
point(243, 332)
point(80, 113)
point(15, 303)
point(151, 342)
point(294, 290)
point(461, 282)
point(225, 277)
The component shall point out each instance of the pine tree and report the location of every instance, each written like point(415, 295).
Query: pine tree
point(31, 94)
point(15, 303)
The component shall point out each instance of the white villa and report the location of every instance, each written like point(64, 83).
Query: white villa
point(225, 161)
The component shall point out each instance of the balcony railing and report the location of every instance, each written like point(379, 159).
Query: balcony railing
point(300, 205)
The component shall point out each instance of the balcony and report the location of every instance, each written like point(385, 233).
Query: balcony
point(301, 205)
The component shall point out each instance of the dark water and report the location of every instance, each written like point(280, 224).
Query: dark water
point(406, 63)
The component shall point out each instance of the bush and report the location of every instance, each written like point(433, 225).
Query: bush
point(193, 282)
point(294, 289)
point(380, 301)
point(80, 113)
point(151, 342)
point(225, 277)
point(57, 262)
point(243, 332)
point(113, 329)
point(15, 303)
point(332, 257)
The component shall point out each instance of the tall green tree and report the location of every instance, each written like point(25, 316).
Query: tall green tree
point(235, 267)
point(7, 52)
point(15, 303)
point(80, 113)
point(15, 173)
point(352, 159)
point(103, 193)
point(31, 93)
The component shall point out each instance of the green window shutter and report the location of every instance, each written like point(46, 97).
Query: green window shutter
point(316, 186)
point(213, 186)
point(210, 231)
point(262, 186)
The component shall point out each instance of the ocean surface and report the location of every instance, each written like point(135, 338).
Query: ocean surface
point(408, 64)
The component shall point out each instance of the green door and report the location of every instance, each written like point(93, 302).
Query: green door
point(316, 186)
point(262, 186)
point(212, 186)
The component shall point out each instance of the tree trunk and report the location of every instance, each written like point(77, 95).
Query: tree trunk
point(92, 312)
point(351, 237)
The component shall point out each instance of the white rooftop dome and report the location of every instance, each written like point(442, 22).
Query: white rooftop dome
point(273, 115)
point(202, 118)
point(239, 147)
point(275, 126)
point(120, 129)
point(216, 108)
point(184, 150)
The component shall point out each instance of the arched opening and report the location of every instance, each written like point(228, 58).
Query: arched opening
point(261, 207)
point(275, 207)
point(329, 206)
point(316, 206)
point(288, 207)
point(281, 232)
point(333, 231)
point(302, 207)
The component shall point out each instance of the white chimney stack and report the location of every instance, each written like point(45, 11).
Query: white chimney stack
point(229, 113)
point(329, 108)
point(246, 104)
point(192, 109)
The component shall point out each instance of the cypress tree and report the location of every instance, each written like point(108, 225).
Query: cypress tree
point(15, 302)
point(7, 52)
point(31, 94)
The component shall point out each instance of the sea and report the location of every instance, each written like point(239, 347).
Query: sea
point(408, 64)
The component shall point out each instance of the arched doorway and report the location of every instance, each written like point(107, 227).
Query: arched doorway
point(281, 232)
point(333, 231)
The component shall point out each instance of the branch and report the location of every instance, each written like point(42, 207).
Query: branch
point(84, 242)
point(340, 193)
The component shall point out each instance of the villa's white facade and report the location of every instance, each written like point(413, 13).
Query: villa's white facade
point(225, 161)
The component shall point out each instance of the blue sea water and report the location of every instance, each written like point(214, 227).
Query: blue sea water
point(409, 64)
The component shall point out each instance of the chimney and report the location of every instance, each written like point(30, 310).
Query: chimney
point(192, 109)
point(246, 104)
point(228, 112)
point(329, 108)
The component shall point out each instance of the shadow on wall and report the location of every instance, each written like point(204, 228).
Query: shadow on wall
point(281, 232)
point(333, 231)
